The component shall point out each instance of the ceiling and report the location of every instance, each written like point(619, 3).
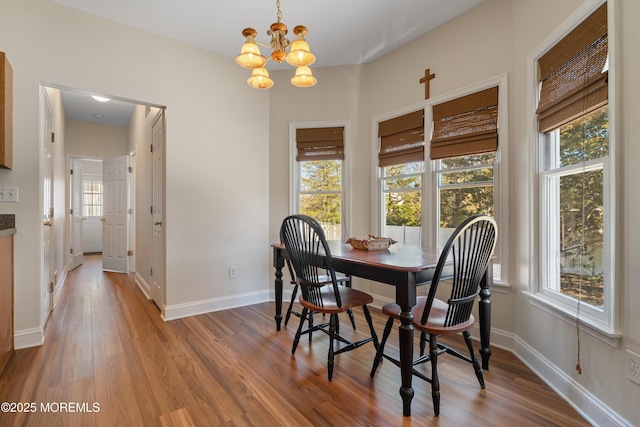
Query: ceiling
point(341, 32)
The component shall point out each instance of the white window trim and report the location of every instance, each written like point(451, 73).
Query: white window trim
point(429, 195)
point(294, 170)
point(606, 327)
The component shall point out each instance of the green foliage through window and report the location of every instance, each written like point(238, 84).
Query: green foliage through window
point(581, 205)
point(320, 190)
point(402, 191)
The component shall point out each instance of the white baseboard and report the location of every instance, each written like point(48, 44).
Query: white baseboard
point(178, 311)
point(58, 288)
point(143, 285)
point(582, 400)
point(28, 338)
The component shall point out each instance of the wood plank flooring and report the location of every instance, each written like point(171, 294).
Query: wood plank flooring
point(109, 356)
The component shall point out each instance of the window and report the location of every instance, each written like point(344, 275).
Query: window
point(464, 148)
point(576, 190)
point(91, 197)
point(401, 172)
point(320, 177)
point(402, 189)
point(421, 201)
point(465, 188)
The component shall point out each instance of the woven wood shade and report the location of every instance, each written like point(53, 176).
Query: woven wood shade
point(573, 81)
point(320, 144)
point(401, 139)
point(466, 125)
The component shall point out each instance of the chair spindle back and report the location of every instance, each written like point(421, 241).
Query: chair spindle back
point(310, 255)
point(467, 252)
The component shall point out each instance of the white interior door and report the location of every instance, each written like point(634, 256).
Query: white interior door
point(47, 212)
point(115, 227)
point(92, 210)
point(91, 234)
point(157, 206)
point(77, 240)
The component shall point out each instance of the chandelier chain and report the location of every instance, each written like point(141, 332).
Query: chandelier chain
point(279, 15)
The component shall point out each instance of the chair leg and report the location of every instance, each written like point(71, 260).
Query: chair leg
point(367, 315)
point(380, 351)
point(423, 342)
point(332, 333)
point(290, 309)
point(310, 324)
point(353, 320)
point(296, 340)
point(349, 311)
point(474, 359)
point(435, 382)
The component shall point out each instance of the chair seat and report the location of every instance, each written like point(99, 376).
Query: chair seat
point(435, 322)
point(349, 297)
point(436, 319)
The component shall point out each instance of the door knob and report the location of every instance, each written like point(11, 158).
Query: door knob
point(157, 223)
point(48, 223)
point(102, 219)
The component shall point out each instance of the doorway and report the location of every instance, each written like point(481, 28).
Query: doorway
point(83, 136)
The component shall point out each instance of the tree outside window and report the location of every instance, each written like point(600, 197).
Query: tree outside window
point(321, 194)
point(581, 207)
point(402, 190)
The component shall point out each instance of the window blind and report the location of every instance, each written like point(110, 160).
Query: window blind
point(466, 125)
point(573, 75)
point(401, 139)
point(320, 143)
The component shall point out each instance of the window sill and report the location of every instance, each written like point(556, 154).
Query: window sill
point(609, 337)
point(500, 287)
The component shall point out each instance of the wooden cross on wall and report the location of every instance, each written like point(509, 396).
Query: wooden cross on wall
point(425, 80)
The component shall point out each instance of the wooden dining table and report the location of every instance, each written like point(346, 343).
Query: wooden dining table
point(405, 267)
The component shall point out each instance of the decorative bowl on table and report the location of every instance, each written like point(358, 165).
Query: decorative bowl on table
point(371, 243)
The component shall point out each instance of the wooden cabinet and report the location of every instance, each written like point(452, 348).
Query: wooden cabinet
point(6, 298)
point(6, 113)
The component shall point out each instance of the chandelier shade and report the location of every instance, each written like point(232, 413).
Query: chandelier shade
point(250, 56)
point(303, 77)
point(299, 54)
point(260, 79)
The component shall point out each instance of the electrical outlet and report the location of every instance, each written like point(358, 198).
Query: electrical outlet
point(633, 366)
point(233, 272)
point(8, 194)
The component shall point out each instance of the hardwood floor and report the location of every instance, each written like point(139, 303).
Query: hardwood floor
point(108, 356)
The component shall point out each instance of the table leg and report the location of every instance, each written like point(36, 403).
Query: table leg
point(406, 299)
point(406, 360)
point(278, 263)
point(484, 311)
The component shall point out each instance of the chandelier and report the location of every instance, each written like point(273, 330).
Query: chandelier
point(299, 54)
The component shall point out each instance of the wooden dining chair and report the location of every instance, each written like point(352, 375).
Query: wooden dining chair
point(464, 261)
point(310, 255)
point(341, 278)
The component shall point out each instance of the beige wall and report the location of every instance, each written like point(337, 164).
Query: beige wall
point(95, 140)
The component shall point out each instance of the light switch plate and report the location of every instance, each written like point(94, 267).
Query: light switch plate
point(8, 194)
